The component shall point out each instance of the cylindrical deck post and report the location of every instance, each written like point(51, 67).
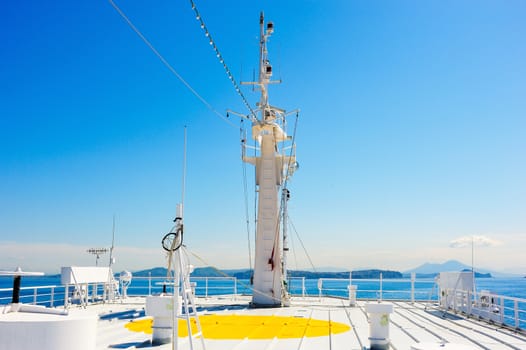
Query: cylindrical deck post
point(379, 324)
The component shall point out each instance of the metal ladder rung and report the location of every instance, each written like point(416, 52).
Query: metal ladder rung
point(190, 308)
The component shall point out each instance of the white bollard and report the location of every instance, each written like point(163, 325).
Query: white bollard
point(160, 307)
point(379, 324)
point(352, 295)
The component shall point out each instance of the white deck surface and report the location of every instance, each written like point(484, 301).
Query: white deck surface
point(409, 324)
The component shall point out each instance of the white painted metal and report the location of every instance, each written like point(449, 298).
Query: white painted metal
point(268, 277)
point(412, 324)
point(188, 300)
point(18, 272)
point(450, 284)
point(125, 279)
point(161, 307)
point(352, 295)
point(37, 309)
point(379, 324)
point(267, 265)
point(44, 331)
point(84, 274)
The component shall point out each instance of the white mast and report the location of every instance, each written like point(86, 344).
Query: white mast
point(270, 174)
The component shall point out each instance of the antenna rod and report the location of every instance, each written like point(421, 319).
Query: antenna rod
point(184, 174)
point(112, 241)
point(262, 65)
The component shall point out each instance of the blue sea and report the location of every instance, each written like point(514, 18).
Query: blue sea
point(425, 289)
point(388, 289)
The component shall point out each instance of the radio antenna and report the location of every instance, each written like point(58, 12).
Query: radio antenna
point(184, 170)
point(112, 259)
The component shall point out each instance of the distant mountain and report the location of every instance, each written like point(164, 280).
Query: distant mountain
point(154, 272)
point(428, 268)
point(208, 272)
point(431, 270)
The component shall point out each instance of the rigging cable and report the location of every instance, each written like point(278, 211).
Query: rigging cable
point(286, 175)
point(253, 118)
point(302, 245)
point(222, 60)
point(284, 186)
point(168, 65)
point(292, 149)
point(245, 188)
point(238, 281)
point(293, 250)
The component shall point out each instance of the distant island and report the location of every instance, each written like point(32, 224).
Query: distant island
point(246, 273)
point(360, 274)
point(373, 274)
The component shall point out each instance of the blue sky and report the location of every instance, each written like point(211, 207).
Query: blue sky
point(412, 131)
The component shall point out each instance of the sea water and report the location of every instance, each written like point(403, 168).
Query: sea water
point(425, 289)
point(387, 289)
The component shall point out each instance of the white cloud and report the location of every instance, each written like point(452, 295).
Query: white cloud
point(48, 258)
point(467, 241)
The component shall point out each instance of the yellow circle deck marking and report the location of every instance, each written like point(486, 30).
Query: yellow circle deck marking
point(251, 327)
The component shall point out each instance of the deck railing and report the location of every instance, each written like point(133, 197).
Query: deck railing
point(498, 309)
point(55, 295)
point(42, 295)
point(367, 289)
point(203, 286)
point(494, 308)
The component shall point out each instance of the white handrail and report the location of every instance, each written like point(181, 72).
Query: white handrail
point(505, 310)
point(496, 308)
